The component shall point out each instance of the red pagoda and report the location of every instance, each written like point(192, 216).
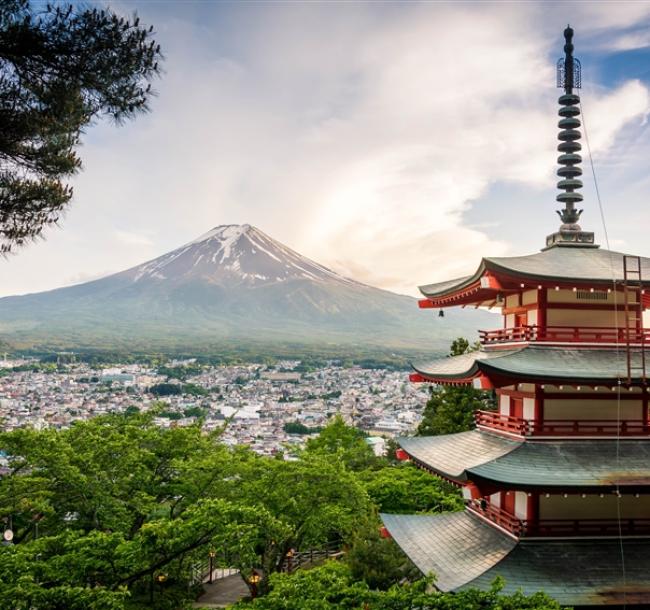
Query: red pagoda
point(557, 479)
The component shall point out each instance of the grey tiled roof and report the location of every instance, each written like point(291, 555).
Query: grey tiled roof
point(587, 463)
point(536, 362)
point(561, 264)
point(466, 553)
point(452, 454)
point(463, 366)
point(456, 547)
point(576, 572)
point(479, 455)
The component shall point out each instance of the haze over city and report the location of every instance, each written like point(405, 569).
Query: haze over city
point(395, 142)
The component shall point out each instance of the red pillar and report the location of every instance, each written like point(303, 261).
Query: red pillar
point(542, 302)
point(532, 511)
point(539, 405)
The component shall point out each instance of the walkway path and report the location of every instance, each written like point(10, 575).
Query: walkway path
point(222, 592)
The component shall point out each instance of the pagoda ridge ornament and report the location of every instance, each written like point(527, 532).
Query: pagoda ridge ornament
point(569, 78)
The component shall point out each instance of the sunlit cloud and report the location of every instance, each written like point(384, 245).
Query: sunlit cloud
point(360, 135)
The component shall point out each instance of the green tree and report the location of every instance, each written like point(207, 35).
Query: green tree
point(166, 389)
point(113, 501)
point(295, 427)
point(61, 67)
point(345, 443)
point(451, 409)
point(378, 561)
point(407, 489)
point(318, 501)
point(333, 587)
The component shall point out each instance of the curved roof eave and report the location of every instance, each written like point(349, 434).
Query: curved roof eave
point(490, 458)
point(452, 456)
point(557, 264)
point(544, 364)
point(462, 368)
point(450, 286)
point(456, 547)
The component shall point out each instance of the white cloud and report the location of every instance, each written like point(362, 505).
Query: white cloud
point(358, 134)
point(129, 238)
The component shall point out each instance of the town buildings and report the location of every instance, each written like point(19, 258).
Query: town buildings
point(252, 403)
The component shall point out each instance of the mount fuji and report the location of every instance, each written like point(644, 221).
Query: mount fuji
point(233, 285)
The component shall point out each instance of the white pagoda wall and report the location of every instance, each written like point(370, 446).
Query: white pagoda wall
point(521, 504)
point(504, 405)
point(529, 408)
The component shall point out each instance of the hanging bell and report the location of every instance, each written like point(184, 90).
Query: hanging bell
point(441, 313)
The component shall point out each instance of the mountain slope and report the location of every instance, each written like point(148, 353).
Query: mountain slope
point(233, 284)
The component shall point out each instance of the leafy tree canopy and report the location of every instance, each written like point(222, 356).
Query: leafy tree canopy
point(333, 587)
point(60, 67)
point(451, 409)
point(346, 443)
point(407, 489)
point(111, 503)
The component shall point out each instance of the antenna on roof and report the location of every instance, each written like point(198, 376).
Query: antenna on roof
point(569, 78)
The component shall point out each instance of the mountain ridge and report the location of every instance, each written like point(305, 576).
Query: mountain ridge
point(233, 283)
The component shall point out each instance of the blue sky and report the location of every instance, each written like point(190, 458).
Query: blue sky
point(395, 142)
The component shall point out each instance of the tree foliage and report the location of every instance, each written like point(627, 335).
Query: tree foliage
point(333, 587)
point(60, 67)
point(102, 510)
point(111, 503)
point(407, 489)
point(344, 443)
point(451, 409)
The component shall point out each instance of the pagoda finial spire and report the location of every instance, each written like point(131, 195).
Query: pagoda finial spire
point(568, 78)
point(569, 62)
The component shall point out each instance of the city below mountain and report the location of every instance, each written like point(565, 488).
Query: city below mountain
point(232, 286)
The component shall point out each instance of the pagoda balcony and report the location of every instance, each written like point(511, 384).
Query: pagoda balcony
point(558, 528)
point(518, 426)
point(565, 334)
point(499, 517)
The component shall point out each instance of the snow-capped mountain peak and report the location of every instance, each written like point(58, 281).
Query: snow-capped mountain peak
point(235, 254)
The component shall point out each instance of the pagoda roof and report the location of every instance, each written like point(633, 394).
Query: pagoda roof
point(457, 547)
point(487, 457)
point(451, 455)
point(577, 265)
point(534, 363)
point(464, 552)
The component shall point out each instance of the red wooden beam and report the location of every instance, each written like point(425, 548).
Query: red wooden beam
point(425, 304)
point(416, 378)
point(482, 383)
point(401, 455)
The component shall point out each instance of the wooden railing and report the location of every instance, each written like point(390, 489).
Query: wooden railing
point(559, 527)
point(589, 427)
point(565, 334)
point(298, 559)
point(561, 427)
point(586, 527)
point(498, 516)
point(505, 423)
point(207, 571)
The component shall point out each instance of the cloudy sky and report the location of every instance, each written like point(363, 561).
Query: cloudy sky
point(395, 142)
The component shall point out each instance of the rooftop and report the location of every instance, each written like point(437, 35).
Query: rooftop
point(535, 363)
point(584, 464)
point(464, 552)
point(574, 265)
